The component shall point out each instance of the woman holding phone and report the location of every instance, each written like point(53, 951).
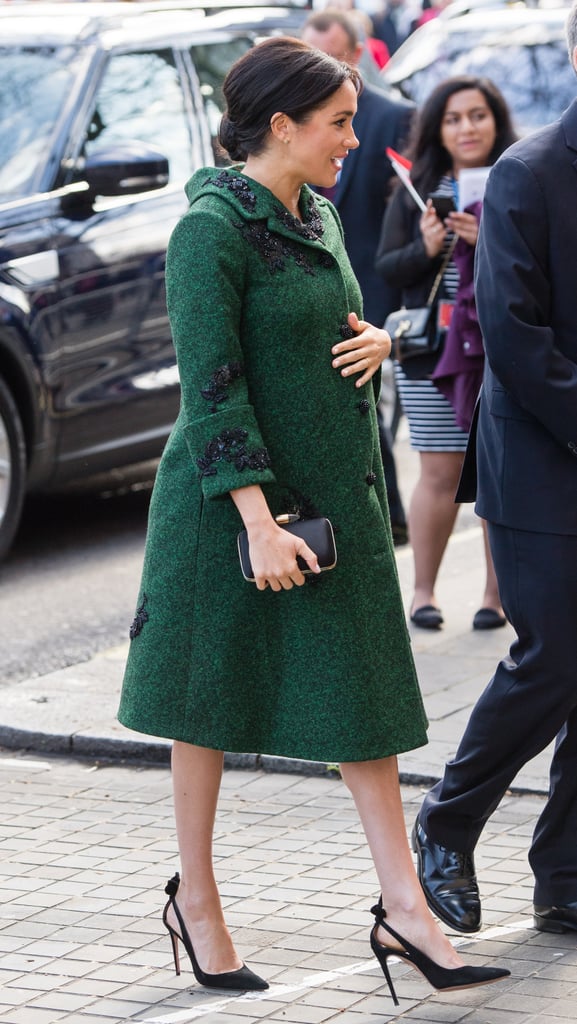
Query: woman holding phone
point(465, 123)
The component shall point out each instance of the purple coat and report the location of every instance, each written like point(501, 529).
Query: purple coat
point(459, 372)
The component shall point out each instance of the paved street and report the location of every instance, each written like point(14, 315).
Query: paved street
point(86, 850)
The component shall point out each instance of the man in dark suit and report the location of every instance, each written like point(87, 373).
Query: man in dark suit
point(527, 491)
point(360, 195)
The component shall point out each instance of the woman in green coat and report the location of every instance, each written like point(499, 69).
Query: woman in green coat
point(277, 416)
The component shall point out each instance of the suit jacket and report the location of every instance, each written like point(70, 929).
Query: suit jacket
point(362, 193)
point(526, 286)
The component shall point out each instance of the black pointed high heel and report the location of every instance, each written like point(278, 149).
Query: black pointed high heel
point(243, 979)
point(442, 978)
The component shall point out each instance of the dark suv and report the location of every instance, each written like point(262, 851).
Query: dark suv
point(105, 112)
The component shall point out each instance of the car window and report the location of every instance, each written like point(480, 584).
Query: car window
point(212, 62)
point(140, 98)
point(34, 86)
point(536, 78)
point(537, 81)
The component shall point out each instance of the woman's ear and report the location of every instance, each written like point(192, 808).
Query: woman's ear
point(280, 126)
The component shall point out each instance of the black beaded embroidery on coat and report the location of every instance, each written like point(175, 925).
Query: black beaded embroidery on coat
point(139, 619)
point(326, 260)
point(300, 504)
point(239, 187)
point(274, 249)
point(230, 446)
point(216, 391)
point(311, 227)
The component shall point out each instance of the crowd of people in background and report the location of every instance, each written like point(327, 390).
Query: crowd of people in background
point(382, 27)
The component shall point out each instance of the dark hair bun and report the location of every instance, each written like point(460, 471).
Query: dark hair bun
point(228, 138)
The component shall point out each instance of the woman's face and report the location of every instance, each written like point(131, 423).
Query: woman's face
point(468, 129)
point(317, 148)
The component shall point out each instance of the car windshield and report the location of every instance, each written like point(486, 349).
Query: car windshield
point(34, 84)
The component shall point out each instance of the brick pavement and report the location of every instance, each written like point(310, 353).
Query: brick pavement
point(87, 847)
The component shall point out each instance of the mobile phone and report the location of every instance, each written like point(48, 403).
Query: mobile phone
point(444, 205)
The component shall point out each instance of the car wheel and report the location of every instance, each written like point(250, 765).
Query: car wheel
point(12, 468)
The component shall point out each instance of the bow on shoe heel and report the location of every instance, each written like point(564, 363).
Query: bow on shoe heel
point(243, 979)
point(441, 978)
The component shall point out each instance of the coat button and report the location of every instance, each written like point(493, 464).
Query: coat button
point(346, 332)
point(364, 406)
point(572, 447)
point(371, 478)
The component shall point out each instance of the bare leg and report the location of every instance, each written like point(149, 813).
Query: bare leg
point(375, 789)
point(196, 775)
point(491, 597)
point(432, 516)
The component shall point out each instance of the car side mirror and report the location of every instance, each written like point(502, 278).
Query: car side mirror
point(125, 169)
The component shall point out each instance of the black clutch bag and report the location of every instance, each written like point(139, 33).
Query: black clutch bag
point(317, 533)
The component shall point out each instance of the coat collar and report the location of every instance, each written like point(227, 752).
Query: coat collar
point(254, 201)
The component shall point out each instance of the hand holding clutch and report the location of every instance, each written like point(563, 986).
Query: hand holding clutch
point(317, 533)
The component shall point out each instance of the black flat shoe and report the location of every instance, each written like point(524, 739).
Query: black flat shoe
point(556, 919)
point(444, 979)
point(241, 980)
point(449, 883)
point(427, 617)
point(488, 618)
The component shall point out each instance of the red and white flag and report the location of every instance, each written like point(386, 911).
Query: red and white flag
point(402, 167)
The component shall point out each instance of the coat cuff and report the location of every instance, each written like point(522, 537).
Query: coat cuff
point(228, 452)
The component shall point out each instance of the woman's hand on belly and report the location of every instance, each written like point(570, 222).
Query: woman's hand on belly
point(362, 353)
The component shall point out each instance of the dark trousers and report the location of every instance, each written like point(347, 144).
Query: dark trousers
point(531, 699)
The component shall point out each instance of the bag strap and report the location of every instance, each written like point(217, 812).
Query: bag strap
point(437, 282)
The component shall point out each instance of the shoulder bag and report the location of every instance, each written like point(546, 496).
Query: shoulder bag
point(415, 333)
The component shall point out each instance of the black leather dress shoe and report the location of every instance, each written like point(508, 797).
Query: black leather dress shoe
point(555, 919)
point(449, 883)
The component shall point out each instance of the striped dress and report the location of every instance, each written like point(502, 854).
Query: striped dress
point(432, 423)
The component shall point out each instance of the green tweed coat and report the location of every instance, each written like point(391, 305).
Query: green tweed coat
point(323, 671)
